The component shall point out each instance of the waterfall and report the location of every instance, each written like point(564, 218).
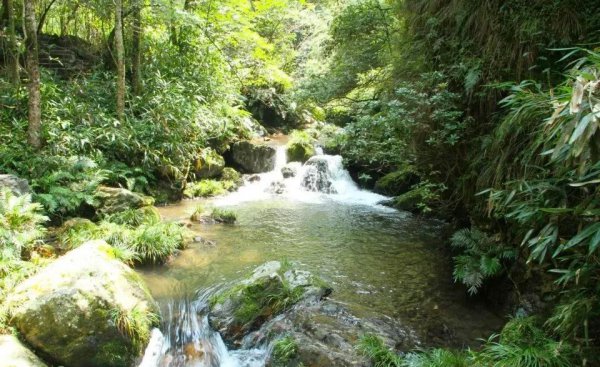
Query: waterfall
point(321, 178)
point(187, 340)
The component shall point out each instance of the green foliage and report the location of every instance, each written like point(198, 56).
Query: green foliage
point(155, 243)
point(284, 350)
point(135, 217)
point(481, 257)
point(20, 224)
point(380, 355)
point(135, 324)
point(223, 215)
point(522, 343)
point(397, 182)
point(421, 198)
point(206, 188)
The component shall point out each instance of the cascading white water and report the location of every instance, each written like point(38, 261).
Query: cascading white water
point(187, 340)
point(342, 187)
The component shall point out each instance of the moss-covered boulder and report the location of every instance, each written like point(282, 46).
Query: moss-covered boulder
point(14, 354)
point(300, 152)
point(209, 164)
point(271, 289)
point(397, 182)
point(85, 309)
point(111, 200)
point(253, 157)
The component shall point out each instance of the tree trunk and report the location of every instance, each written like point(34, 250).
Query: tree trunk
point(120, 61)
point(33, 73)
point(13, 51)
point(136, 52)
point(43, 17)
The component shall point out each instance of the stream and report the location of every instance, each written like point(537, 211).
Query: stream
point(379, 261)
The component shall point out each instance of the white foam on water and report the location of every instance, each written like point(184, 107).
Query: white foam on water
point(346, 190)
point(188, 341)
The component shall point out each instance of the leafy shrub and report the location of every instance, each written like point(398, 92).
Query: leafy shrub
point(422, 197)
point(136, 324)
point(197, 213)
point(224, 215)
point(284, 350)
point(205, 188)
point(156, 242)
point(373, 348)
point(397, 182)
point(480, 259)
point(63, 185)
point(20, 224)
point(522, 343)
point(135, 217)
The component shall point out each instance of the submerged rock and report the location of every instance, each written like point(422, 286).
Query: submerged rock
point(290, 170)
point(270, 290)
point(113, 199)
point(15, 184)
point(14, 354)
point(85, 309)
point(277, 187)
point(317, 176)
point(253, 158)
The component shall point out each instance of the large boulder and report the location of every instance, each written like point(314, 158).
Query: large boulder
point(300, 151)
point(397, 182)
point(85, 309)
point(253, 158)
point(270, 290)
point(14, 354)
point(209, 164)
point(17, 185)
point(317, 176)
point(326, 334)
point(112, 200)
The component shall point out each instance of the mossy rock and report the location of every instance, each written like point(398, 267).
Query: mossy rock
point(271, 289)
point(209, 164)
point(252, 157)
point(397, 182)
point(85, 309)
point(300, 152)
point(232, 179)
point(113, 200)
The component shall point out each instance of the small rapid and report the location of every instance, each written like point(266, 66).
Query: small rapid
point(320, 179)
point(185, 339)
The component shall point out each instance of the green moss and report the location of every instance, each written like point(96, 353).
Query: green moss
point(261, 299)
point(284, 350)
point(113, 354)
point(300, 147)
point(136, 217)
point(397, 182)
point(229, 174)
point(135, 324)
point(224, 216)
point(204, 188)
